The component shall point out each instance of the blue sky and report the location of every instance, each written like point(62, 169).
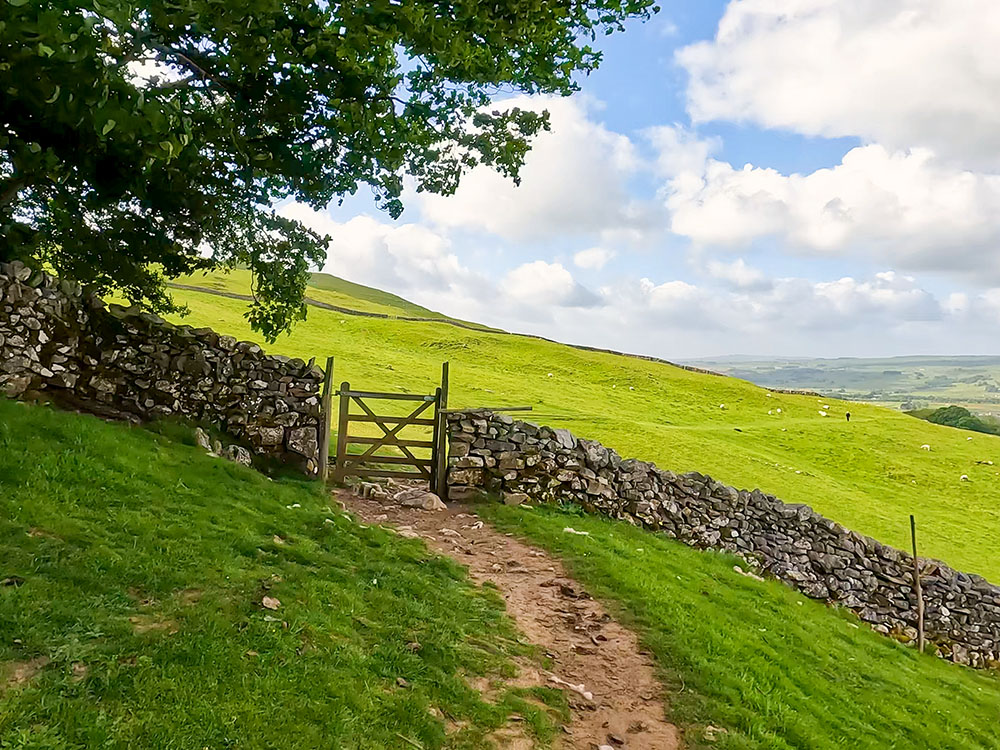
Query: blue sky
point(766, 177)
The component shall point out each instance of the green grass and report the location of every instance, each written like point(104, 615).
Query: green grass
point(869, 474)
point(144, 563)
point(329, 289)
point(775, 669)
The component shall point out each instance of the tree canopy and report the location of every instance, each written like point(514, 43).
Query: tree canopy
point(144, 139)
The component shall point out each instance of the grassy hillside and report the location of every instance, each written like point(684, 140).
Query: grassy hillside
point(134, 570)
point(330, 290)
point(869, 473)
point(774, 669)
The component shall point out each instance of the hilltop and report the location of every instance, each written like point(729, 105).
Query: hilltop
point(869, 473)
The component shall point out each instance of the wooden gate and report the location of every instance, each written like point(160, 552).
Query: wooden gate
point(389, 454)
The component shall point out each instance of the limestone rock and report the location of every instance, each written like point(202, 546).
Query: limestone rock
point(238, 454)
point(419, 498)
point(203, 440)
point(515, 498)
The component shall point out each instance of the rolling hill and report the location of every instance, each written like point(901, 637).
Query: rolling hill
point(869, 473)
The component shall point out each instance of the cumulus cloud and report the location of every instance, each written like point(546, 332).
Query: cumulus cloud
point(405, 258)
point(907, 208)
point(593, 258)
point(737, 308)
point(903, 73)
point(544, 284)
point(574, 181)
point(738, 274)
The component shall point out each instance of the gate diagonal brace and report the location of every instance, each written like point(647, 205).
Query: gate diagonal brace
point(389, 434)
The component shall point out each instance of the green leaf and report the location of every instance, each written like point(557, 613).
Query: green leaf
point(44, 49)
point(108, 127)
point(17, 3)
point(34, 147)
point(55, 95)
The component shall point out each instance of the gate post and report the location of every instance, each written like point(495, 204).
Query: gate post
point(441, 438)
point(345, 405)
point(326, 416)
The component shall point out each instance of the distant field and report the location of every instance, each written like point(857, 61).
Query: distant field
point(900, 382)
point(869, 473)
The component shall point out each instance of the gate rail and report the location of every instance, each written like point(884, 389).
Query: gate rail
point(369, 464)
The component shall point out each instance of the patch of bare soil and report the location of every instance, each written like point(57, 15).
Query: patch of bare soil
point(152, 623)
point(609, 681)
point(19, 673)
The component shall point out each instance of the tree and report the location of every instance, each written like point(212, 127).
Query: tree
point(144, 139)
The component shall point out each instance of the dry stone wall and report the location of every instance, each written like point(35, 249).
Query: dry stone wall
point(60, 344)
point(493, 453)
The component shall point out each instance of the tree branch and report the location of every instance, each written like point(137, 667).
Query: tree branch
point(200, 72)
point(10, 188)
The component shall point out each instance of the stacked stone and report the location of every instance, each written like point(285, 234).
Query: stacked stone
point(492, 453)
point(60, 344)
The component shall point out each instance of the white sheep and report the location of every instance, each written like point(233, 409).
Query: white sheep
point(826, 406)
point(822, 413)
point(778, 410)
point(968, 438)
point(770, 411)
point(549, 375)
point(722, 406)
point(964, 478)
point(925, 447)
point(631, 388)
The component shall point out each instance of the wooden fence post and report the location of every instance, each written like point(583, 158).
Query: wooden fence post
point(345, 405)
point(326, 415)
point(441, 448)
point(917, 586)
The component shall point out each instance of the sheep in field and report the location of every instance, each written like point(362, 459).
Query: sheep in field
point(964, 478)
point(925, 447)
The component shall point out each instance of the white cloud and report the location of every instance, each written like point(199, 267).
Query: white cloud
point(405, 258)
point(680, 150)
point(593, 258)
point(905, 208)
point(737, 273)
point(542, 284)
point(573, 182)
point(904, 73)
point(738, 308)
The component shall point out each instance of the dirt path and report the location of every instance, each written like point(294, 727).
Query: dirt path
point(620, 704)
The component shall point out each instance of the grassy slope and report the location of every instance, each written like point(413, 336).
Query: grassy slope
point(777, 670)
point(117, 530)
point(869, 474)
point(329, 289)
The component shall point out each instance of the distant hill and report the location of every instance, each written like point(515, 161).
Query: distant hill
point(902, 382)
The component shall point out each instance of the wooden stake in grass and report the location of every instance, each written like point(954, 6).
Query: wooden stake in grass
point(917, 586)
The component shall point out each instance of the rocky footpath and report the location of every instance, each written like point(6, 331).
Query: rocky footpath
point(520, 461)
point(58, 343)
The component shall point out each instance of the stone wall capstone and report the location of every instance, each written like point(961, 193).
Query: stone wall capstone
point(493, 453)
point(62, 344)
